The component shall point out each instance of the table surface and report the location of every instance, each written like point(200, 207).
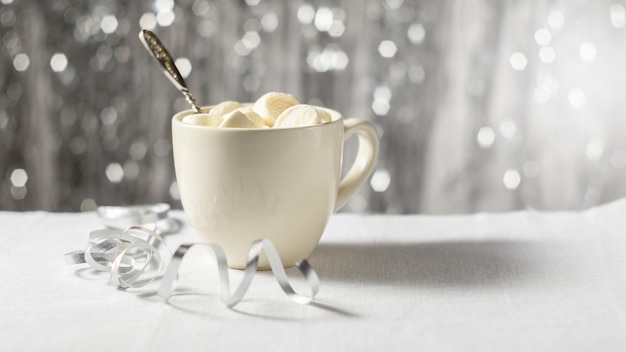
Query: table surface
point(484, 282)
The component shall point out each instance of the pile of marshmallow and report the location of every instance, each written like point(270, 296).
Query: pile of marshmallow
point(272, 110)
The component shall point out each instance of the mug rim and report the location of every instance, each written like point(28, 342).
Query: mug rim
point(336, 118)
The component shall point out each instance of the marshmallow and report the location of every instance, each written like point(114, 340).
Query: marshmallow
point(252, 116)
point(203, 120)
point(300, 115)
point(225, 107)
point(271, 105)
point(324, 115)
point(237, 119)
point(272, 110)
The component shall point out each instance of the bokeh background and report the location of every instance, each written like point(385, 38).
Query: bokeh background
point(484, 105)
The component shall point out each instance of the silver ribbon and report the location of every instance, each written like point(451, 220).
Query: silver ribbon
point(153, 216)
point(131, 256)
point(171, 275)
point(136, 255)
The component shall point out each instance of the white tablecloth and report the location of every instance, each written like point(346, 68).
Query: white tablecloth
point(523, 281)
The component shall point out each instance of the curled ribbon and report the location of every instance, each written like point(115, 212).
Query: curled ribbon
point(152, 216)
point(132, 256)
point(136, 256)
point(171, 275)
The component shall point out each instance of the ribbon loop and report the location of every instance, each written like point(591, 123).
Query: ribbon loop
point(136, 256)
point(171, 275)
point(131, 256)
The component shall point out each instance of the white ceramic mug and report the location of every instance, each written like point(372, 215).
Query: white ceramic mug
point(238, 185)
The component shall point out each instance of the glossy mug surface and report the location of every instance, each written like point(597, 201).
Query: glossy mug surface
point(238, 185)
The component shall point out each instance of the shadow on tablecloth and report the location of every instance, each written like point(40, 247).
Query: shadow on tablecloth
point(439, 264)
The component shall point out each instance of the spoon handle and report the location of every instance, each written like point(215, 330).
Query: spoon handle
point(166, 62)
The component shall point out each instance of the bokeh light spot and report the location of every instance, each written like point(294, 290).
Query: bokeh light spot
point(184, 66)
point(165, 18)
point(594, 149)
point(88, 204)
point(114, 172)
point(19, 177)
point(547, 54)
point(416, 33)
point(174, 192)
point(269, 21)
point(387, 48)
point(618, 16)
point(485, 137)
point(58, 62)
point(511, 179)
point(587, 51)
point(380, 180)
point(148, 21)
point(518, 61)
point(556, 19)
point(108, 24)
point(543, 36)
point(577, 98)
point(306, 14)
point(323, 19)
point(21, 62)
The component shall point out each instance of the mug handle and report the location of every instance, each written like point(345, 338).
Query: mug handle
point(364, 162)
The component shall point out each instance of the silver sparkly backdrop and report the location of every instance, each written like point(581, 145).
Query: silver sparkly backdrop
point(483, 105)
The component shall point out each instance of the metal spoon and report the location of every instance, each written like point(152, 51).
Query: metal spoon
point(165, 60)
